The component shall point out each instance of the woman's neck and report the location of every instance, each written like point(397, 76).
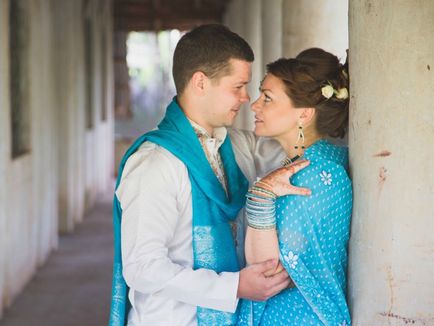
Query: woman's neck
point(289, 142)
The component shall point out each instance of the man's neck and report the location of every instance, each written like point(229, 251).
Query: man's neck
point(192, 114)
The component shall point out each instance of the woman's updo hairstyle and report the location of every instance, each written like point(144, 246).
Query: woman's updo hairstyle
point(304, 78)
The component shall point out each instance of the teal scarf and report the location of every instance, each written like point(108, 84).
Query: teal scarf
point(213, 245)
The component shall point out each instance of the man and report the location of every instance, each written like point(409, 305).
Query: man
point(179, 191)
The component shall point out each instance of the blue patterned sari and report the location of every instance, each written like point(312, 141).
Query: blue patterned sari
point(313, 234)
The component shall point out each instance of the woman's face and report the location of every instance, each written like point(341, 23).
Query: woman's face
point(275, 115)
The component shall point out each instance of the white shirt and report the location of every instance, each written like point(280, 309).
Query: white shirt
point(211, 146)
point(156, 239)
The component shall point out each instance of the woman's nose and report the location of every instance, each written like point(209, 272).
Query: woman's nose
point(255, 106)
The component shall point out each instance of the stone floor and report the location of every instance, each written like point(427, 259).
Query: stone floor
point(74, 286)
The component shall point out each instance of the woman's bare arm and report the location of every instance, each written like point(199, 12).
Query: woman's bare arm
point(262, 244)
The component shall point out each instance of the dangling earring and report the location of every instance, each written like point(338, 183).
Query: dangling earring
point(300, 137)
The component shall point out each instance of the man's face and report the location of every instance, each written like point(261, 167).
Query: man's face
point(226, 95)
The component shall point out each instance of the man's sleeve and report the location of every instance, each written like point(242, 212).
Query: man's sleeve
point(256, 156)
point(150, 195)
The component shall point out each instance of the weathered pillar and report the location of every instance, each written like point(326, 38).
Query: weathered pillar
point(122, 79)
point(4, 138)
point(70, 100)
point(391, 152)
point(249, 26)
point(320, 23)
point(271, 31)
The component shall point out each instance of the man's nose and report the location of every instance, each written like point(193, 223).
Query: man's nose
point(245, 98)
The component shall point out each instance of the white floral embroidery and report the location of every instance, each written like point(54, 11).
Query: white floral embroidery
point(344, 323)
point(291, 259)
point(326, 178)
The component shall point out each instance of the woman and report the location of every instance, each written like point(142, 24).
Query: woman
point(303, 101)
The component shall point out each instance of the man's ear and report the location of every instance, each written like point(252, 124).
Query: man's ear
point(307, 116)
point(198, 81)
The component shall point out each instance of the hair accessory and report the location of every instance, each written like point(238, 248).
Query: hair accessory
point(328, 91)
point(345, 74)
point(342, 93)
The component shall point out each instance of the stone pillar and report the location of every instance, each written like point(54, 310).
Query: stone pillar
point(391, 153)
point(253, 35)
point(271, 31)
point(122, 79)
point(319, 23)
point(70, 100)
point(232, 17)
point(4, 140)
point(249, 26)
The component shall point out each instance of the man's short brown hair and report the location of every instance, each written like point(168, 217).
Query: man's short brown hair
point(207, 48)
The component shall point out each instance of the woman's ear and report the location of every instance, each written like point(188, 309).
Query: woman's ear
point(197, 82)
point(307, 116)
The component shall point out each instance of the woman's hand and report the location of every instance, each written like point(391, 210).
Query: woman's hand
point(278, 180)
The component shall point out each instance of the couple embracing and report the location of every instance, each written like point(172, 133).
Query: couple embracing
point(203, 236)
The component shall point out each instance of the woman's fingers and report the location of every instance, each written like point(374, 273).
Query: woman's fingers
point(293, 168)
point(292, 190)
point(278, 180)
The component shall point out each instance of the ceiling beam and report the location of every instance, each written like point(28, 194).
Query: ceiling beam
point(155, 15)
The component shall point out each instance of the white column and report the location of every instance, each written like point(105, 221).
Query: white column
point(391, 150)
point(69, 81)
point(271, 31)
point(232, 17)
point(319, 23)
point(244, 17)
point(4, 141)
point(44, 134)
point(253, 35)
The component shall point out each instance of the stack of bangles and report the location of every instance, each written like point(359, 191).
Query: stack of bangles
point(260, 207)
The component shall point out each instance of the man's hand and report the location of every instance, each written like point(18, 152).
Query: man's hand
point(254, 285)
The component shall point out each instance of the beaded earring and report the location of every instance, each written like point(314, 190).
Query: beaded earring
point(300, 137)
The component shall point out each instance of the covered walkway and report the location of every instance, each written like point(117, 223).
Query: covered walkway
point(64, 80)
point(74, 286)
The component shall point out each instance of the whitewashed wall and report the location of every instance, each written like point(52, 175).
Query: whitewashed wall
point(28, 199)
point(43, 192)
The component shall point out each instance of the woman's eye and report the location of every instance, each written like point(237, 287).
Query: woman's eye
point(267, 98)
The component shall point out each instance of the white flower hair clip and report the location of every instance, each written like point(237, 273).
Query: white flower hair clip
point(328, 91)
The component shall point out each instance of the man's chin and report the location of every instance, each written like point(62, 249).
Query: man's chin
point(259, 132)
point(229, 122)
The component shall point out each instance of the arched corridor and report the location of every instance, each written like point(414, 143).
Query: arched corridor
point(64, 82)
